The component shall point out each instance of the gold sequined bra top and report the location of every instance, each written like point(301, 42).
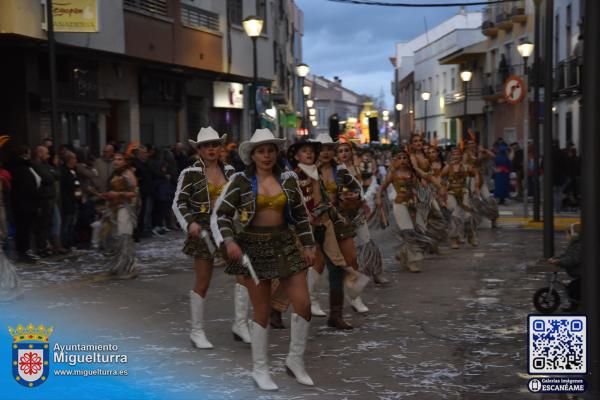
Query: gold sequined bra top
point(276, 203)
point(214, 190)
point(456, 179)
point(331, 187)
point(402, 185)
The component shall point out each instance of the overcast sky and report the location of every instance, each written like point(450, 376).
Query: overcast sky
point(355, 42)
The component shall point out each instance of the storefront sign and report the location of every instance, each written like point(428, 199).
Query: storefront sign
point(75, 15)
point(228, 95)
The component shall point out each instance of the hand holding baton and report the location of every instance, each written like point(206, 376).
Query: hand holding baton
point(206, 237)
point(246, 263)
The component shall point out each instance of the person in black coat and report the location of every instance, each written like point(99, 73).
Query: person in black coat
point(162, 191)
point(25, 201)
point(139, 162)
point(46, 195)
point(70, 195)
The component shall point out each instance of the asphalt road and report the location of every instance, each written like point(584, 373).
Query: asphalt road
point(457, 330)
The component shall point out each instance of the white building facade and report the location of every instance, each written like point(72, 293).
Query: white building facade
point(568, 59)
point(421, 57)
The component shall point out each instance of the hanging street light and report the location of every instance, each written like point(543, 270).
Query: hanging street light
point(312, 111)
point(306, 90)
point(399, 106)
point(310, 103)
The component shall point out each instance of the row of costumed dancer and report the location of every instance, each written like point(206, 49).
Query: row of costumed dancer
point(279, 223)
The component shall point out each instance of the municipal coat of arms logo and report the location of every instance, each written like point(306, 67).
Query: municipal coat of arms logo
point(30, 354)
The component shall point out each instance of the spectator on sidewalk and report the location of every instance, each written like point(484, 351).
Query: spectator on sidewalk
point(516, 159)
point(572, 173)
point(70, 193)
point(104, 167)
point(559, 177)
point(5, 190)
point(46, 196)
point(139, 162)
point(162, 192)
point(181, 157)
point(501, 175)
point(25, 185)
point(87, 211)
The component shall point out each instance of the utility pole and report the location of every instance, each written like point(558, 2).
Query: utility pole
point(548, 162)
point(590, 216)
point(52, 70)
point(535, 118)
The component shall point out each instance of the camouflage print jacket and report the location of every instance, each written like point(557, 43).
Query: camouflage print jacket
point(239, 197)
point(192, 201)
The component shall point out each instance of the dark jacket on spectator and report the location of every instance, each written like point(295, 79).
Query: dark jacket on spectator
point(50, 175)
point(163, 190)
point(24, 186)
point(143, 175)
point(70, 190)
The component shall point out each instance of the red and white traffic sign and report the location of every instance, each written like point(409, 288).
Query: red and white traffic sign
point(514, 89)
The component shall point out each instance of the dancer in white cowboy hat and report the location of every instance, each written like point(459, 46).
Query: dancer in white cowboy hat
point(269, 202)
point(370, 260)
point(197, 190)
point(345, 194)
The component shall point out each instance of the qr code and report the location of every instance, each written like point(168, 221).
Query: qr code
point(557, 344)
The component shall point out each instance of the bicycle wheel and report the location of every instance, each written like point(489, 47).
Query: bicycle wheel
point(546, 301)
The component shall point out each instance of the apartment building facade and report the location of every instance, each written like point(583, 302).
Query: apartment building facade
point(155, 71)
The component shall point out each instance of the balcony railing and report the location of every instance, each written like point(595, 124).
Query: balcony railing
point(156, 7)
point(459, 96)
point(194, 17)
point(502, 16)
point(567, 75)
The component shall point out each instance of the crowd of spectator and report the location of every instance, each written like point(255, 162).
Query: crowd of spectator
point(51, 203)
point(566, 176)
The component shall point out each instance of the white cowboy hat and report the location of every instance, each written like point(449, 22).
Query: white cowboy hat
point(261, 136)
point(324, 138)
point(206, 135)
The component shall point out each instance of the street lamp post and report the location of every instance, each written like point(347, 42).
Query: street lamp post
point(466, 76)
point(535, 122)
point(399, 107)
point(253, 27)
point(425, 96)
point(302, 71)
point(548, 161)
point(525, 48)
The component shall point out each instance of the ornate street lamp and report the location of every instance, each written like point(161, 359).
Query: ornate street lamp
point(425, 96)
point(302, 70)
point(253, 27)
point(466, 77)
point(525, 49)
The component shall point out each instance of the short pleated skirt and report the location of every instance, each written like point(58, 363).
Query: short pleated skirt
point(196, 247)
point(273, 251)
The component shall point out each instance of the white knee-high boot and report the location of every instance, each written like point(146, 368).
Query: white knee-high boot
point(260, 360)
point(358, 305)
point(240, 323)
point(315, 308)
point(295, 360)
point(197, 334)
